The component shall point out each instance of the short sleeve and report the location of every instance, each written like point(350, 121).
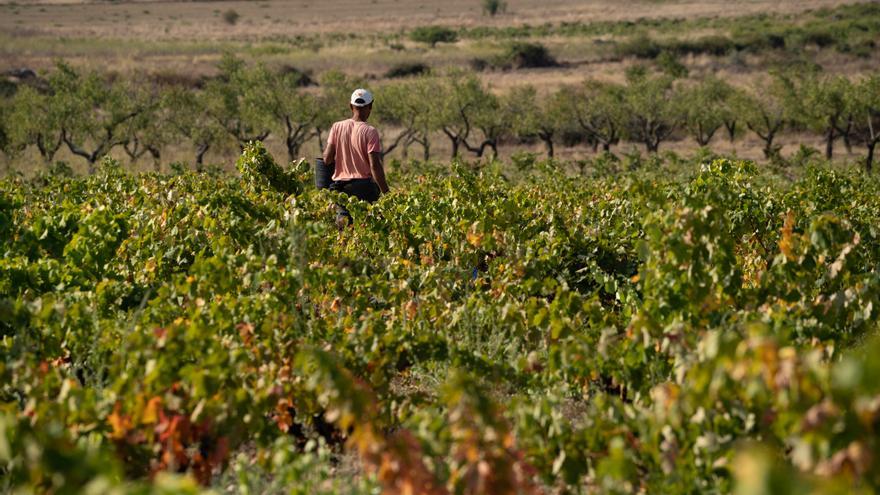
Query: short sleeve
point(331, 137)
point(374, 144)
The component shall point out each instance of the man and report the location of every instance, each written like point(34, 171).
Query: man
point(355, 148)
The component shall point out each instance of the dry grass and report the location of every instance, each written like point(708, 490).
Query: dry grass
point(182, 20)
point(190, 37)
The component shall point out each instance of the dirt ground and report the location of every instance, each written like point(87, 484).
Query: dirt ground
point(262, 19)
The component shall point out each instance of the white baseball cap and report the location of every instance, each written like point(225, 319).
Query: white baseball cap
point(361, 97)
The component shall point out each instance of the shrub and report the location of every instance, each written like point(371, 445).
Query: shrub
point(302, 78)
point(479, 64)
point(641, 46)
point(407, 69)
point(524, 55)
point(493, 7)
point(669, 63)
point(709, 45)
point(231, 17)
point(433, 35)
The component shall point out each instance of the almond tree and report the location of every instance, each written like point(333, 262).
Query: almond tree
point(33, 118)
point(863, 101)
point(149, 131)
point(187, 118)
point(408, 105)
point(652, 109)
point(818, 103)
point(234, 101)
point(537, 117)
point(493, 122)
point(705, 108)
point(730, 109)
point(764, 112)
point(94, 113)
point(294, 110)
point(599, 109)
point(457, 105)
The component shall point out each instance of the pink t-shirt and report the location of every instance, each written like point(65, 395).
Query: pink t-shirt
point(354, 141)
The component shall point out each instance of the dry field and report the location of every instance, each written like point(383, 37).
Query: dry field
point(189, 37)
point(202, 21)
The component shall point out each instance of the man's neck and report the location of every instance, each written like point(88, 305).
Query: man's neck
point(357, 118)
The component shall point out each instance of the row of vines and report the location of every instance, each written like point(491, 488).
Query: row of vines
point(470, 334)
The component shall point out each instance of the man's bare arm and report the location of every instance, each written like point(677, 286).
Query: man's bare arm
point(377, 168)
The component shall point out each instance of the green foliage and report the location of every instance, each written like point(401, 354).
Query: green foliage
point(764, 112)
point(235, 101)
point(464, 103)
point(534, 117)
point(818, 103)
point(493, 7)
point(641, 46)
point(669, 64)
point(707, 107)
point(690, 326)
point(259, 170)
point(863, 104)
point(407, 69)
point(653, 108)
point(278, 101)
point(35, 118)
point(95, 116)
point(598, 109)
point(523, 55)
point(231, 17)
point(433, 35)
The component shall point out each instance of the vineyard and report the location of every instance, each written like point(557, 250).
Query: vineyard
point(700, 326)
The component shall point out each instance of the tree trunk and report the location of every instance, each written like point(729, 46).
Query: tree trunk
point(704, 136)
point(157, 155)
point(652, 143)
point(731, 130)
point(200, 156)
point(845, 133)
point(48, 150)
point(292, 148)
point(869, 161)
point(401, 138)
point(319, 135)
point(829, 143)
point(548, 143)
point(91, 158)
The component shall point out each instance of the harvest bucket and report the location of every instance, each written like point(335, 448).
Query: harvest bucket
point(323, 174)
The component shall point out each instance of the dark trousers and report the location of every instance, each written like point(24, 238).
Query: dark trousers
point(363, 189)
